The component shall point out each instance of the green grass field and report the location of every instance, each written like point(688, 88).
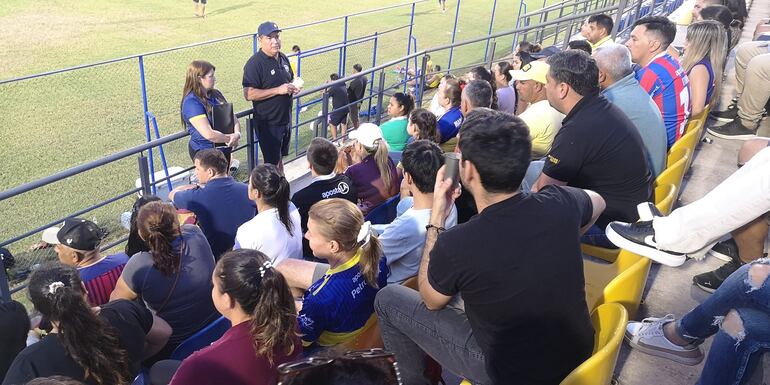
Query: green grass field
point(49, 124)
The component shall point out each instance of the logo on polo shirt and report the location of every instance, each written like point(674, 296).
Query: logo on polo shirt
point(286, 68)
point(341, 189)
point(272, 72)
point(553, 159)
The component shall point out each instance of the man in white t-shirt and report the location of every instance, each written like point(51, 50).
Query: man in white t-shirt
point(542, 119)
point(403, 239)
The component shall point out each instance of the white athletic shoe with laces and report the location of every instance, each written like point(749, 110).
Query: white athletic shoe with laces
point(647, 336)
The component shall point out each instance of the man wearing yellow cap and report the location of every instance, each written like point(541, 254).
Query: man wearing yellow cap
point(542, 119)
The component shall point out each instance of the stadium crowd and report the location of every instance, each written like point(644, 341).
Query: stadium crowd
point(469, 266)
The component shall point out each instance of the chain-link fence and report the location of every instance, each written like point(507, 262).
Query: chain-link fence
point(105, 104)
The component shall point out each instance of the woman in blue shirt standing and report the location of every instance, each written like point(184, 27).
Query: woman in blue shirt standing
point(199, 97)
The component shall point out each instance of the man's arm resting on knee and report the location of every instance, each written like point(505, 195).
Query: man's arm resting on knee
point(598, 204)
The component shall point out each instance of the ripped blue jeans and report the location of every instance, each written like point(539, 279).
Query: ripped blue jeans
point(734, 352)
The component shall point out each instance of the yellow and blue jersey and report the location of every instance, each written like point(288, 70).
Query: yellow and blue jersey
point(338, 307)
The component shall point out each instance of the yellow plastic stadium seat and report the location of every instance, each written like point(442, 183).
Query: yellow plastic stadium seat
point(622, 281)
point(674, 173)
point(688, 140)
point(609, 321)
point(609, 255)
point(368, 338)
point(665, 196)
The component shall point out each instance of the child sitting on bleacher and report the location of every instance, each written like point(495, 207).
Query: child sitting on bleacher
point(374, 176)
point(339, 302)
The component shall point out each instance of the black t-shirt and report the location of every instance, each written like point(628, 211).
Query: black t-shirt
point(130, 320)
point(519, 269)
point(265, 72)
point(356, 89)
point(599, 149)
point(323, 187)
point(339, 97)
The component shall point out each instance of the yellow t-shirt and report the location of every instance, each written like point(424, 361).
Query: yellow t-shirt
point(543, 122)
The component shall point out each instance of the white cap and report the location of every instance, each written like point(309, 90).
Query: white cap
point(367, 134)
point(50, 235)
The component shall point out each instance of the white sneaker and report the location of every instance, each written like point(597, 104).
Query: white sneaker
point(647, 336)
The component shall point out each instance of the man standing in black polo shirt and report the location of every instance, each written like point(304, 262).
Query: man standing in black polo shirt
point(597, 147)
point(356, 89)
point(517, 266)
point(267, 83)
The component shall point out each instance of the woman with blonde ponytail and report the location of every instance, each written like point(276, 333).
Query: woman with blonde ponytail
point(705, 53)
point(99, 346)
point(338, 302)
point(375, 176)
point(174, 277)
point(256, 299)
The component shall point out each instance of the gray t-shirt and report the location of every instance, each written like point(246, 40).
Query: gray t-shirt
point(189, 307)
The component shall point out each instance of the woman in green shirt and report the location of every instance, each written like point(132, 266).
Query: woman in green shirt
point(394, 130)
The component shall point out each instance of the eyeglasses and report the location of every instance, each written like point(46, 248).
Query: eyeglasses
point(307, 370)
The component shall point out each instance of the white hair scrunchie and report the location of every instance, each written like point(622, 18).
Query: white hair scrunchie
point(365, 233)
point(54, 286)
point(264, 267)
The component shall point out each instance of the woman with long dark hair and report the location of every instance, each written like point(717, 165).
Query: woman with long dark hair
point(256, 299)
point(423, 125)
point(198, 98)
point(276, 230)
point(506, 95)
point(135, 244)
point(102, 345)
point(394, 130)
point(174, 277)
point(339, 297)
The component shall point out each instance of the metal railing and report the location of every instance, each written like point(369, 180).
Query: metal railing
point(383, 78)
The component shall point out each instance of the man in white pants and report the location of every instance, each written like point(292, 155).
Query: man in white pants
point(736, 205)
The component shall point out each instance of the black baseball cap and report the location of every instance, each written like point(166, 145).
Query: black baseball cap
point(77, 233)
point(267, 28)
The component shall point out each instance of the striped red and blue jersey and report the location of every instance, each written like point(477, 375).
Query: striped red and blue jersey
point(101, 277)
point(667, 84)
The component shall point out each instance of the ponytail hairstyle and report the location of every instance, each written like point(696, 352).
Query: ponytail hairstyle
point(159, 228)
point(382, 158)
point(405, 101)
point(274, 188)
point(426, 123)
point(57, 293)
point(135, 244)
point(262, 292)
point(341, 221)
point(481, 73)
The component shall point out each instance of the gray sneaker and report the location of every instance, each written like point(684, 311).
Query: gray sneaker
point(647, 336)
point(733, 130)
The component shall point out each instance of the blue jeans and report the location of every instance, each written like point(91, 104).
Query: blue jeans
point(596, 236)
point(410, 331)
point(731, 359)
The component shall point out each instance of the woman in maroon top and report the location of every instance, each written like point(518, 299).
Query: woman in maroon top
point(256, 299)
point(375, 176)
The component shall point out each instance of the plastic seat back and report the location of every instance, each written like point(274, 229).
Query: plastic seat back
point(609, 321)
point(627, 288)
point(689, 141)
point(665, 196)
point(384, 213)
point(369, 338)
point(201, 339)
point(677, 166)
